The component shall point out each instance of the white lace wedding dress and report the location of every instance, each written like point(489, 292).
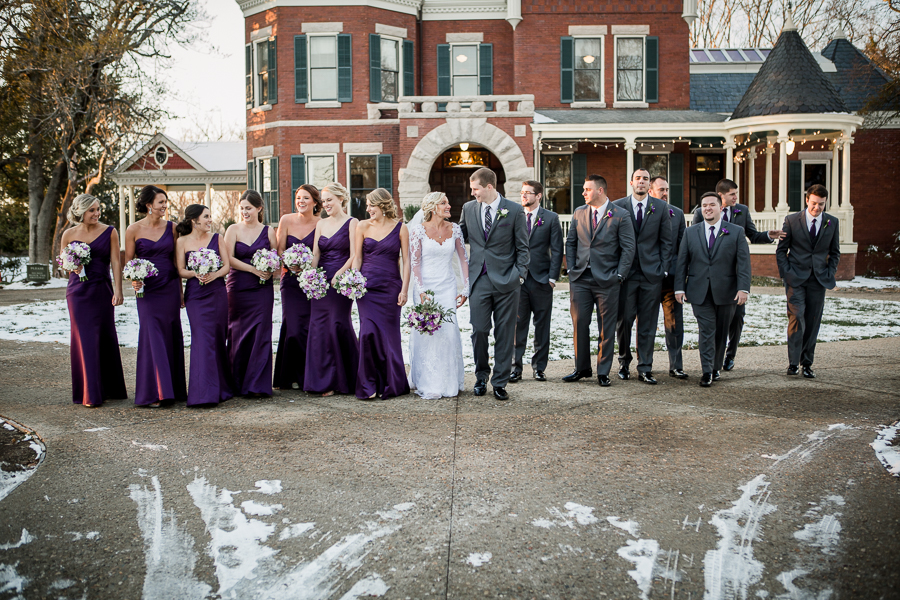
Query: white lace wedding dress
point(436, 360)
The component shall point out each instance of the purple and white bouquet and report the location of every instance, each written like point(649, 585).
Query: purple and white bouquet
point(351, 284)
point(203, 262)
point(266, 261)
point(314, 283)
point(297, 255)
point(428, 316)
point(76, 254)
point(139, 269)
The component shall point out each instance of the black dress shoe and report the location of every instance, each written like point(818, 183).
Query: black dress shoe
point(515, 377)
point(480, 388)
point(706, 380)
point(500, 393)
point(576, 375)
point(624, 374)
point(603, 380)
point(729, 364)
point(793, 369)
point(678, 373)
point(716, 376)
point(808, 372)
point(647, 378)
point(539, 376)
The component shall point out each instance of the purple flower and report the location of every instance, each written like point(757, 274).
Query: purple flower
point(826, 223)
point(736, 210)
point(723, 231)
point(608, 215)
point(539, 222)
point(651, 208)
point(671, 213)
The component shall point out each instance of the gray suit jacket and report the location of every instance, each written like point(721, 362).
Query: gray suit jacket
point(678, 227)
point(722, 271)
point(798, 259)
point(654, 241)
point(505, 251)
point(606, 252)
point(546, 246)
point(740, 215)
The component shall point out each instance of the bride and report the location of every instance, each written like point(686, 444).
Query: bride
point(437, 251)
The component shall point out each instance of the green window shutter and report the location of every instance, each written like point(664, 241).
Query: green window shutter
point(274, 207)
point(652, 71)
point(579, 174)
point(248, 51)
point(795, 185)
point(676, 180)
point(443, 73)
point(385, 173)
point(486, 72)
point(301, 85)
point(345, 68)
point(250, 178)
point(298, 177)
point(409, 71)
point(273, 73)
point(374, 68)
point(567, 70)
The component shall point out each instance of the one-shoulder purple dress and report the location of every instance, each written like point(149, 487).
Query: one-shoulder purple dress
point(290, 359)
point(160, 356)
point(381, 369)
point(332, 351)
point(207, 308)
point(250, 323)
point(94, 349)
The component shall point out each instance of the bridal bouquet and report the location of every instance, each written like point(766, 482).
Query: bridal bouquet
point(266, 261)
point(297, 255)
point(351, 284)
point(203, 262)
point(314, 283)
point(427, 316)
point(139, 269)
point(76, 254)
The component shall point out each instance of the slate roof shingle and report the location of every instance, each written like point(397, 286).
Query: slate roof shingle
point(718, 92)
point(856, 78)
point(624, 116)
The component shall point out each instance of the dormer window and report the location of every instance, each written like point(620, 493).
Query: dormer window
point(161, 155)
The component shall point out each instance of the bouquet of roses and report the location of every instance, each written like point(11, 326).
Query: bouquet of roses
point(297, 255)
point(427, 316)
point(266, 261)
point(139, 269)
point(351, 284)
point(203, 262)
point(314, 283)
point(76, 254)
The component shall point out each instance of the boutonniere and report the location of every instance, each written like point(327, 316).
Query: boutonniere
point(671, 213)
point(722, 232)
point(651, 208)
point(826, 223)
point(539, 222)
point(608, 215)
point(736, 210)
point(502, 213)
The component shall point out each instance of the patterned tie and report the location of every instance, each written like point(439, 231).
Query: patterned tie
point(725, 215)
point(640, 215)
point(712, 236)
point(812, 233)
point(593, 219)
point(528, 223)
point(487, 221)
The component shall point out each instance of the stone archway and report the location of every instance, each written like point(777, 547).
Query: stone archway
point(414, 177)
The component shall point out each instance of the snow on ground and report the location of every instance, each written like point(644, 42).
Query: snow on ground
point(16, 274)
point(875, 283)
point(10, 480)
point(887, 448)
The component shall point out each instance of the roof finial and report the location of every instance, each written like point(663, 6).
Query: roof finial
point(789, 19)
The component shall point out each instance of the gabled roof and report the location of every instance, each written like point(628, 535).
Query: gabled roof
point(856, 78)
point(204, 157)
point(789, 82)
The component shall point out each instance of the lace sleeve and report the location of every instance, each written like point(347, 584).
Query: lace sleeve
point(415, 259)
point(463, 257)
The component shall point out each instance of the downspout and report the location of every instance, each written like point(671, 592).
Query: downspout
point(419, 45)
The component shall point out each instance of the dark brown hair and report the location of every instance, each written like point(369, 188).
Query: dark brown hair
point(600, 181)
point(191, 213)
point(253, 197)
point(148, 195)
point(708, 195)
point(725, 185)
point(484, 177)
point(817, 190)
point(535, 185)
point(314, 192)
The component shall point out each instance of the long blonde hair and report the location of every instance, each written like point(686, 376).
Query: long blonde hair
point(430, 203)
point(80, 205)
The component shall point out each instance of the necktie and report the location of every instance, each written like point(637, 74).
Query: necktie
point(725, 215)
point(487, 221)
point(712, 236)
point(812, 232)
point(593, 218)
point(640, 215)
point(528, 223)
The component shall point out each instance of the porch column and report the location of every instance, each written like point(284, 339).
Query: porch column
point(751, 179)
point(207, 199)
point(833, 193)
point(122, 217)
point(130, 204)
point(845, 175)
point(769, 152)
point(729, 157)
point(629, 161)
point(782, 174)
point(737, 172)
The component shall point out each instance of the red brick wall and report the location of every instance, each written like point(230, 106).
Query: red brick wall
point(764, 265)
point(874, 166)
point(498, 33)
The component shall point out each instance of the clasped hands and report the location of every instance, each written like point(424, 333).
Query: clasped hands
point(741, 298)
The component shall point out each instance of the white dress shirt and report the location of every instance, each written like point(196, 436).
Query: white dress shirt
point(810, 220)
point(600, 212)
point(491, 207)
point(644, 203)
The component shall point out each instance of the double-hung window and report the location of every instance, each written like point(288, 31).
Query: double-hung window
point(588, 69)
point(268, 187)
point(323, 72)
point(464, 70)
point(261, 73)
point(390, 69)
point(323, 68)
point(629, 69)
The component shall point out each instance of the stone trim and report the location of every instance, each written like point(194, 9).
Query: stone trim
point(390, 30)
point(630, 30)
point(587, 105)
point(335, 27)
point(263, 151)
point(412, 131)
point(364, 148)
point(322, 123)
point(458, 38)
point(323, 104)
point(320, 148)
point(588, 29)
point(261, 34)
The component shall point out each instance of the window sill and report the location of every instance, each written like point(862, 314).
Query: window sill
point(323, 104)
point(263, 108)
point(630, 104)
point(587, 105)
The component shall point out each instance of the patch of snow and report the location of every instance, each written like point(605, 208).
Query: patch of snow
point(54, 283)
point(93, 535)
point(396, 511)
point(62, 584)
point(631, 527)
point(805, 450)
point(96, 429)
point(875, 283)
point(824, 533)
point(477, 559)
point(24, 539)
point(8, 426)
point(545, 523)
point(795, 593)
point(643, 553)
point(296, 530)
point(260, 510)
point(371, 586)
point(268, 486)
point(10, 480)
point(580, 513)
point(11, 581)
point(154, 447)
point(886, 446)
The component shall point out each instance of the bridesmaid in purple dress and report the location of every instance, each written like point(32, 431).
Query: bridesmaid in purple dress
point(96, 362)
point(296, 228)
point(206, 302)
point(250, 302)
point(332, 351)
point(382, 240)
point(160, 357)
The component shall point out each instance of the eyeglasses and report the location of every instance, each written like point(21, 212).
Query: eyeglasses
point(528, 193)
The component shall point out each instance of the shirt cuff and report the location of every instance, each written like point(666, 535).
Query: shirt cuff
point(679, 292)
point(745, 291)
point(552, 280)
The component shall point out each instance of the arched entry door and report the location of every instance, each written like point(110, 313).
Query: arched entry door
point(451, 171)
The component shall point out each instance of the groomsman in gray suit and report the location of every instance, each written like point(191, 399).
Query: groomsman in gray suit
point(713, 272)
point(732, 212)
point(545, 245)
point(599, 250)
point(808, 258)
point(642, 290)
point(498, 264)
point(673, 311)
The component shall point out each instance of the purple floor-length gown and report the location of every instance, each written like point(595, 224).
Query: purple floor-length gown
point(381, 369)
point(96, 362)
point(207, 308)
point(160, 357)
point(332, 351)
point(250, 323)
point(290, 360)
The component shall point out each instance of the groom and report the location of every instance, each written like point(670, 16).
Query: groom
point(498, 263)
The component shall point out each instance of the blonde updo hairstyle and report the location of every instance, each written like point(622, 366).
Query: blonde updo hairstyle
point(381, 198)
point(80, 205)
point(338, 191)
point(430, 203)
